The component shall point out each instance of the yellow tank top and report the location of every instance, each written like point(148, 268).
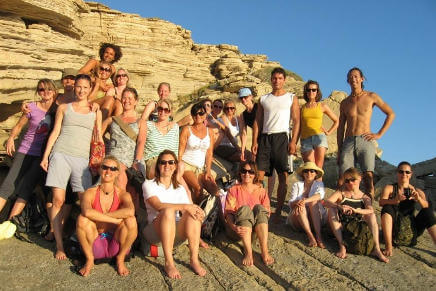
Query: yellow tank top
point(311, 121)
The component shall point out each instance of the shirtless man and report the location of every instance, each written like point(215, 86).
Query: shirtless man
point(107, 225)
point(355, 114)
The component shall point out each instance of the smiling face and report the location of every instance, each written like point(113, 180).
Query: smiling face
point(311, 92)
point(309, 175)
point(104, 71)
point(46, 91)
point(217, 108)
point(246, 100)
point(352, 182)
point(82, 88)
point(355, 79)
point(163, 91)
point(121, 78)
point(277, 81)
point(128, 101)
point(229, 108)
point(68, 83)
point(404, 173)
point(163, 111)
point(109, 171)
point(247, 174)
point(167, 165)
point(109, 55)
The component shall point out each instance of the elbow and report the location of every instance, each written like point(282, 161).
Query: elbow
point(86, 213)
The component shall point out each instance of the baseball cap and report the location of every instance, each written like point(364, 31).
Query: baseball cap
point(69, 72)
point(244, 92)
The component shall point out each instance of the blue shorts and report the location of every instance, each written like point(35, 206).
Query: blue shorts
point(313, 142)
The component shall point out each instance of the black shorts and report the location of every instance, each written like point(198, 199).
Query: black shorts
point(272, 153)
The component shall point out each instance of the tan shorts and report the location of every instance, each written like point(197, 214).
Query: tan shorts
point(188, 167)
point(153, 238)
point(150, 164)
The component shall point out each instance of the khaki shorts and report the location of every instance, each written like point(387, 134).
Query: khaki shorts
point(188, 167)
point(150, 164)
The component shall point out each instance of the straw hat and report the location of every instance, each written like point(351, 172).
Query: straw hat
point(310, 166)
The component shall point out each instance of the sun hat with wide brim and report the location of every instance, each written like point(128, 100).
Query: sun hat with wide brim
point(310, 166)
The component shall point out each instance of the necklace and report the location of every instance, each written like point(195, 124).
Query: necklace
point(354, 94)
point(108, 192)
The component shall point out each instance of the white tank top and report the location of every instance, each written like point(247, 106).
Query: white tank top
point(276, 112)
point(196, 148)
point(234, 131)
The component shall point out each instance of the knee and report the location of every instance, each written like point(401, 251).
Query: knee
point(82, 222)
point(167, 213)
point(58, 202)
point(245, 210)
point(130, 223)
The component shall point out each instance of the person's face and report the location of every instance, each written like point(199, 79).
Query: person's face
point(352, 183)
point(229, 109)
point(109, 55)
point(355, 79)
point(167, 165)
point(163, 92)
point(82, 88)
point(199, 116)
point(404, 173)
point(163, 111)
point(309, 174)
point(312, 91)
point(277, 81)
point(104, 71)
point(122, 77)
point(217, 108)
point(68, 83)
point(128, 101)
point(247, 174)
point(46, 92)
point(208, 107)
point(246, 100)
point(109, 171)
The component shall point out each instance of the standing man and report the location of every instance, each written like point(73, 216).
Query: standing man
point(355, 114)
point(271, 150)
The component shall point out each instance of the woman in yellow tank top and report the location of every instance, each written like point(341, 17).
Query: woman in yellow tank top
point(313, 135)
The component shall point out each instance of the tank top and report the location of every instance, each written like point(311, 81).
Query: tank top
point(157, 142)
point(234, 131)
point(311, 121)
point(122, 146)
point(249, 117)
point(406, 207)
point(96, 205)
point(196, 148)
point(276, 112)
point(76, 133)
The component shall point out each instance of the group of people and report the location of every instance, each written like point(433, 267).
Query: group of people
point(177, 157)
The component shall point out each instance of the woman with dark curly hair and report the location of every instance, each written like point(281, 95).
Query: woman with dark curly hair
point(108, 52)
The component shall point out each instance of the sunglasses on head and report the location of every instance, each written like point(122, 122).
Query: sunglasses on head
point(112, 169)
point(247, 171)
point(169, 162)
point(201, 113)
point(165, 110)
point(311, 90)
point(105, 69)
point(404, 172)
point(44, 89)
point(229, 108)
point(349, 180)
point(122, 75)
point(309, 171)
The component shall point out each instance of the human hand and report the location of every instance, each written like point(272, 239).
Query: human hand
point(369, 136)
point(347, 210)
point(196, 212)
point(254, 148)
point(25, 108)
point(94, 107)
point(44, 164)
point(292, 148)
point(10, 146)
point(240, 230)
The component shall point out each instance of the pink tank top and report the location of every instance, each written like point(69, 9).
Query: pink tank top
point(97, 206)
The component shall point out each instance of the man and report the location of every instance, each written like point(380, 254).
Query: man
point(355, 114)
point(107, 225)
point(273, 116)
point(68, 77)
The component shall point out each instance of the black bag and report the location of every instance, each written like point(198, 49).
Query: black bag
point(357, 235)
point(210, 226)
point(404, 232)
point(135, 178)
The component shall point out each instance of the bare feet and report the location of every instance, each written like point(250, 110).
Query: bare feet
point(312, 242)
point(86, 269)
point(342, 252)
point(122, 269)
point(172, 272)
point(203, 244)
point(320, 243)
point(267, 259)
point(388, 252)
point(60, 255)
point(248, 260)
point(198, 269)
point(380, 256)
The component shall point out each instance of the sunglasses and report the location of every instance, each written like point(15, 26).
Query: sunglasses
point(311, 90)
point(122, 75)
point(105, 69)
point(404, 172)
point(165, 110)
point(246, 171)
point(201, 113)
point(45, 89)
point(217, 106)
point(112, 169)
point(349, 180)
point(309, 171)
point(229, 108)
point(169, 162)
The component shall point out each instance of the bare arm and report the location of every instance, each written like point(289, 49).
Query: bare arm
point(341, 128)
point(194, 210)
point(53, 136)
point(10, 143)
point(295, 115)
point(257, 125)
point(243, 136)
point(95, 89)
point(105, 125)
point(390, 116)
point(149, 108)
point(127, 209)
point(384, 197)
point(88, 67)
point(92, 214)
point(228, 133)
point(187, 120)
point(209, 156)
point(332, 117)
point(332, 201)
point(140, 141)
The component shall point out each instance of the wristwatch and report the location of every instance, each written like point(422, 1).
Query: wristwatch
point(137, 161)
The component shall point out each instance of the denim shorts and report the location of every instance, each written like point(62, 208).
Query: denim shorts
point(313, 142)
point(355, 149)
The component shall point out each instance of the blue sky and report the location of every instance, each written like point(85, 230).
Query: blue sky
point(393, 42)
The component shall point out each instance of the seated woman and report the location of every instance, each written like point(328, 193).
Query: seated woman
point(172, 218)
point(150, 111)
point(402, 197)
point(112, 105)
point(106, 227)
point(305, 203)
point(101, 85)
point(68, 147)
point(195, 150)
point(124, 129)
point(247, 208)
point(351, 201)
point(25, 172)
point(109, 53)
point(227, 144)
point(156, 136)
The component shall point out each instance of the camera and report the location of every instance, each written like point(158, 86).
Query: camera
point(407, 192)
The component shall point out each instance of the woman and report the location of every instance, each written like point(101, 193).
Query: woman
point(109, 53)
point(68, 147)
point(112, 105)
point(247, 208)
point(156, 136)
point(150, 110)
point(313, 134)
point(402, 197)
point(195, 150)
point(351, 201)
point(25, 172)
point(102, 83)
point(172, 218)
point(121, 145)
point(305, 203)
point(228, 147)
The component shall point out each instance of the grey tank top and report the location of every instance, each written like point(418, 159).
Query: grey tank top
point(76, 133)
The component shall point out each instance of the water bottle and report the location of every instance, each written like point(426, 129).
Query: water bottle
point(290, 164)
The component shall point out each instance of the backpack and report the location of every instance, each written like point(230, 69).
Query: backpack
point(357, 235)
point(210, 225)
point(404, 232)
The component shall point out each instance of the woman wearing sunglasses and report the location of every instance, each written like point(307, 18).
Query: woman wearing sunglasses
point(403, 197)
point(112, 105)
point(248, 209)
point(305, 203)
point(312, 133)
point(350, 201)
point(25, 172)
point(150, 111)
point(196, 152)
point(156, 136)
point(102, 84)
point(172, 218)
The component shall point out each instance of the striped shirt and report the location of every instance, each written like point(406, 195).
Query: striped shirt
point(156, 142)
